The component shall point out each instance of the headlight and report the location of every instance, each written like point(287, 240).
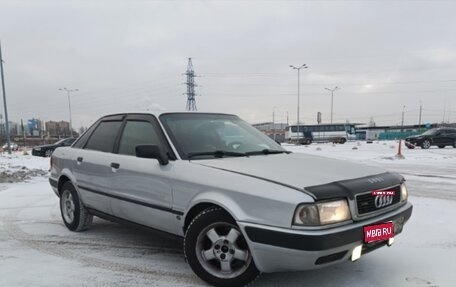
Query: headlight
point(404, 192)
point(37, 148)
point(322, 213)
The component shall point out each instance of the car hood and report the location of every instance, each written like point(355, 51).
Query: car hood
point(414, 137)
point(320, 176)
point(45, 146)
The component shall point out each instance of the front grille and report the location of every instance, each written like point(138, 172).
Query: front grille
point(365, 202)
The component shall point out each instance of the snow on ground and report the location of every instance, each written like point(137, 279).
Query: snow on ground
point(430, 173)
point(18, 167)
point(36, 249)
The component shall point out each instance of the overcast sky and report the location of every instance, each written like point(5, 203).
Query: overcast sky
point(131, 55)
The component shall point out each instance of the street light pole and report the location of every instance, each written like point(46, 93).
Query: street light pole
point(68, 91)
point(332, 99)
point(303, 66)
point(8, 141)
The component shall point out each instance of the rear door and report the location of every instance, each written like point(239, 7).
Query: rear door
point(141, 187)
point(92, 164)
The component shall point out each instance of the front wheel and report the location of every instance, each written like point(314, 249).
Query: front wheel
point(48, 153)
point(74, 214)
point(217, 251)
point(426, 144)
point(441, 146)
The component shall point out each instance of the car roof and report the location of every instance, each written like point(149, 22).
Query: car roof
point(158, 113)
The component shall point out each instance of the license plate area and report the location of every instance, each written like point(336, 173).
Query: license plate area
point(378, 232)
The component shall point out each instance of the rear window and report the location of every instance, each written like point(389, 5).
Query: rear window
point(104, 136)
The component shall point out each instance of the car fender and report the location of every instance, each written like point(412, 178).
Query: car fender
point(220, 199)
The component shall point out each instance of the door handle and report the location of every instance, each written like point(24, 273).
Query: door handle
point(115, 165)
point(79, 159)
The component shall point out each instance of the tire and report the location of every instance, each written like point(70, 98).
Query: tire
point(454, 144)
point(74, 214)
point(212, 243)
point(342, 140)
point(441, 146)
point(48, 153)
point(426, 144)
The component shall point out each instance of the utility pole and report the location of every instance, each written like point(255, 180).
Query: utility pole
point(287, 118)
point(402, 122)
point(419, 122)
point(332, 99)
point(4, 103)
point(303, 66)
point(68, 91)
point(273, 123)
point(191, 102)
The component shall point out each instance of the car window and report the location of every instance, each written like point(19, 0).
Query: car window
point(104, 136)
point(137, 133)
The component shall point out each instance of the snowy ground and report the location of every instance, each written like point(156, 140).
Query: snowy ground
point(37, 250)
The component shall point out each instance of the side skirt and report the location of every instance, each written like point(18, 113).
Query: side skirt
point(116, 219)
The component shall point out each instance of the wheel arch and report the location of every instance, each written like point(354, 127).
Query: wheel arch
point(209, 200)
point(64, 177)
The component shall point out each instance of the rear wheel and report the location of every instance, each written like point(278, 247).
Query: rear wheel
point(74, 214)
point(426, 144)
point(217, 251)
point(441, 146)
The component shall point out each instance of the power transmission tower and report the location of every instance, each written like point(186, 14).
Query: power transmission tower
point(191, 102)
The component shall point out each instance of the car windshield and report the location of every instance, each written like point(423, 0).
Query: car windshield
point(430, 132)
point(199, 135)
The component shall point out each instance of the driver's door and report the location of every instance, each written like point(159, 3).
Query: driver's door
point(141, 187)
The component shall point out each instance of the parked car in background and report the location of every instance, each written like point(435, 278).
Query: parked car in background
point(440, 137)
point(242, 203)
point(14, 146)
point(47, 150)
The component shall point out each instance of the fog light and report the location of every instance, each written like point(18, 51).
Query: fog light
point(356, 253)
point(390, 241)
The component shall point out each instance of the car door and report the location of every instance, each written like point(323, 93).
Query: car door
point(439, 138)
point(141, 187)
point(92, 164)
point(448, 137)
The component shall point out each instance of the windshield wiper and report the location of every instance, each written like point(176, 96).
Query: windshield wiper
point(267, 151)
point(217, 153)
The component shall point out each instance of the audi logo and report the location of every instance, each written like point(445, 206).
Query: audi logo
point(375, 179)
point(382, 201)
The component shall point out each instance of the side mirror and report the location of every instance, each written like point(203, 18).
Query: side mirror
point(152, 151)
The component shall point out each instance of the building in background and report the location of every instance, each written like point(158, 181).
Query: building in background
point(34, 128)
point(14, 130)
point(270, 129)
point(58, 129)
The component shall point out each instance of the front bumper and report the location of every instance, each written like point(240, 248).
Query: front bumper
point(37, 152)
point(281, 249)
point(410, 144)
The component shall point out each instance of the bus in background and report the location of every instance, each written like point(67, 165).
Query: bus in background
point(336, 133)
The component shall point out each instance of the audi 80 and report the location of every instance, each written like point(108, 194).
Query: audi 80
point(242, 203)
